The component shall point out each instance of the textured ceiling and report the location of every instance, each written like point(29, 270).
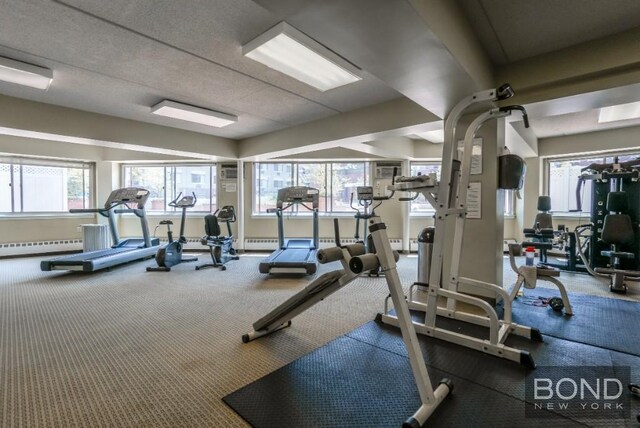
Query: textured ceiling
point(575, 123)
point(511, 30)
point(121, 57)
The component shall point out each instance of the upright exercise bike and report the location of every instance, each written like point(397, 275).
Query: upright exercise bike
point(171, 254)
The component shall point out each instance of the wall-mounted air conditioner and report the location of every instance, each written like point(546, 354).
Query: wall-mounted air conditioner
point(228, 172)
point(384, 170)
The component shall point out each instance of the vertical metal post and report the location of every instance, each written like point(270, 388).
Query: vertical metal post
point(405, 210)
point(387, 262)
point(240, 214)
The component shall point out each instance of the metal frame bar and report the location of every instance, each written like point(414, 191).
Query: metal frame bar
point(451, 188)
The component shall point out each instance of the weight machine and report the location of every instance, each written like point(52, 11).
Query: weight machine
point(366, 201)
point(609, 245)
point(448, 197)
point(354, 260)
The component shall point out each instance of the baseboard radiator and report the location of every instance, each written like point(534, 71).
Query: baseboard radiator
point(40, 247)
point(270, 244)
point(68, 245)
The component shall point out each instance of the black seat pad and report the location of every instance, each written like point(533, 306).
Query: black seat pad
point(617, 229)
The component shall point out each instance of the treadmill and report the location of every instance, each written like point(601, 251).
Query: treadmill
point(122, 251)
point(294, 256)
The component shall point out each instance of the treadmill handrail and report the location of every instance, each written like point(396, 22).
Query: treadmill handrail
point(136, 211)
point(103, 212)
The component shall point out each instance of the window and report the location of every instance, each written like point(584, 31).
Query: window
point(562, 181)
point(166, 182)
point(345, 178)
point(421, 205)
point(509, 203)
point(41, 186)
point(335, 181)
point(269, 177)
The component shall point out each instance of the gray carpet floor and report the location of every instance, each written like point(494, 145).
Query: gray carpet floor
point(130, 348)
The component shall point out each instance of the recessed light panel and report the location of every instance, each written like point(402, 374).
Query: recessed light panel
point(619, 112)
point(193, 114)
point(295, 54)
point(436, 136)
point(24, 74)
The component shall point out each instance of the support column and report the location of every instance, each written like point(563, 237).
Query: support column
point(240, 207)
point(107, 179)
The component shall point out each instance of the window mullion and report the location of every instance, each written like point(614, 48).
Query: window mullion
point(21, 190)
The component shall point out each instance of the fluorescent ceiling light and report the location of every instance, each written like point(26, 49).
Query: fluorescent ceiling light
point(21, 73)
point(295, 54)
point(619, 112)
point(193, 114)
point(436, 136)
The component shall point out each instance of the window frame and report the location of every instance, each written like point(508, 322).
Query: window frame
point(431, 211)
point(546, 169)
point(24, 161)
point(213, 185)
point(295, 180)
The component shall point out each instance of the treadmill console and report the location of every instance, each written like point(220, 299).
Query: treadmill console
point(128, 195)
point(365, 193)
point(298, 195)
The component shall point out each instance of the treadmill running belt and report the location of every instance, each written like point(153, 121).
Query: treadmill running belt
point(292, 256)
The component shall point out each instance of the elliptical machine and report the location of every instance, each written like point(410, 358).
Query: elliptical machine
point(365, 198)
point(171, 254)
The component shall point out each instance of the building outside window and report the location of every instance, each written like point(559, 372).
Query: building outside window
point(166, 182)
point(44, 186)
point(335, 181)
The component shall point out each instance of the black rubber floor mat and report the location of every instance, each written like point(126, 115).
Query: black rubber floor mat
point(598, 321)
point(499, 374)
point(351, 383)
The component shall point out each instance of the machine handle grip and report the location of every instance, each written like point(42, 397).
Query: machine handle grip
point(126, 211)
point(272, 210)
point(364, 263)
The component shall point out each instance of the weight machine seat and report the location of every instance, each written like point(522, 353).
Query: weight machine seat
point(538, 245)
point(543, 273)
point(619, 254)
point(617, 229)
point(547, 271)
point(544, 221)
point(626, 273)
point(617, 202)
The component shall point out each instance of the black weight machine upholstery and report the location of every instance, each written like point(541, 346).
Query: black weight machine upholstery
point(541, 235)
point(220, 247)
point(618, 232)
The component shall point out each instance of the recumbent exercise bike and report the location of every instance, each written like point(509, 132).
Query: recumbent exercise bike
point(220, 247)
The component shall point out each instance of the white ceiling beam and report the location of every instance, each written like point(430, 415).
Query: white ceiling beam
point(391, 119)
point(54, 123)
point(392, 147)
point(606, 63)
